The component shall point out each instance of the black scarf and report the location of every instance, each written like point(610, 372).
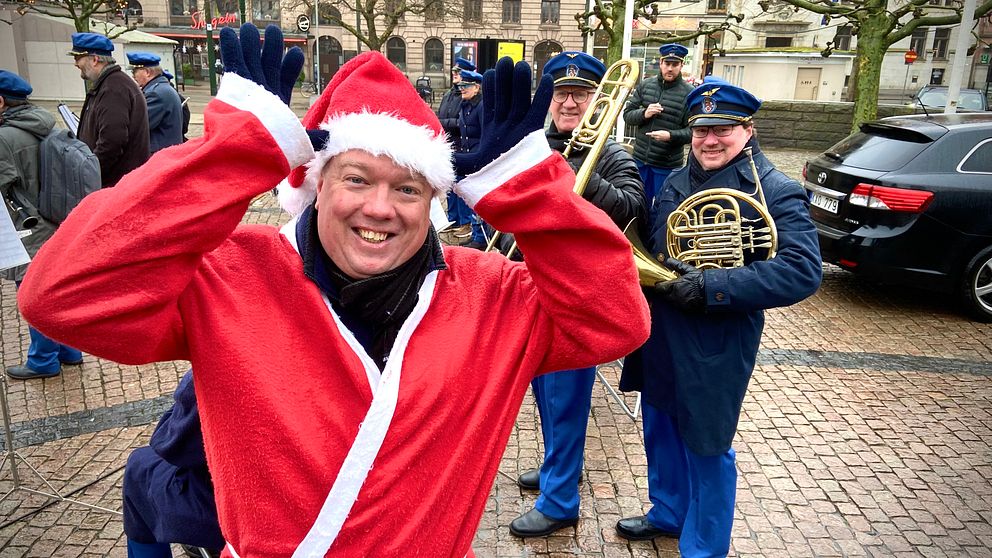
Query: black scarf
point(699, 176)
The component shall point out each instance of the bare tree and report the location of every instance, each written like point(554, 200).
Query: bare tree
point(379, 18)
point(81, 12)
point(878, 26)
point(608, 16)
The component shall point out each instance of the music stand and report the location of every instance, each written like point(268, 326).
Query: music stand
point(11, 456)
point(632, 413)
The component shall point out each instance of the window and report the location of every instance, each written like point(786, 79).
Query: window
point(980, 159)
point(842, 40)
point(716, 6)
point(550, 11)
point(183, 8)
point(434, 10)
point(329, 15)
point(543, 52)
point(473, 11)
point(918, 42)
point(396, 52)
point(434, 55)
point(778, 42)
point(940, 42)
point(263, 10)
point(511, 11)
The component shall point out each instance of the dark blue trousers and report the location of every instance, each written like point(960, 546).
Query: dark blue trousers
point(563, 401)
point(690, 494)
point(168, 504)
point(653, 179)
point(458, 211)
point(46, 355)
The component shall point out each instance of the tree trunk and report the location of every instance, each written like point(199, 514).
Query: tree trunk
point(614, 50)
point(871, 51)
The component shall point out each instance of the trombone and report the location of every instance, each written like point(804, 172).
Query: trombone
point(597, 123)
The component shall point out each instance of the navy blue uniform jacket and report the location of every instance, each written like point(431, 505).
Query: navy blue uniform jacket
point(165, 114)
point(696, 366)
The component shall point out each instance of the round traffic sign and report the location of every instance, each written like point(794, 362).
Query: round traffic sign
point(910, 56)
point(303, 23)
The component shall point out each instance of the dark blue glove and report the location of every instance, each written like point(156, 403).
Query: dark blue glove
point(688, 292)
point(265, 65)
point(508, 114)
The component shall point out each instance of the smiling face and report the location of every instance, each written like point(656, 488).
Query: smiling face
point(373, 215)
point(713, 152)
point(87, 65)
point(468, 90)
point(567, 114)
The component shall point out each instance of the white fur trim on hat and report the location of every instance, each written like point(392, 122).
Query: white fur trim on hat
point(416, 148)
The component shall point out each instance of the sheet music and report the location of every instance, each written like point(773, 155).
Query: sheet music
point(12, 253)
point(70, 118)
point(438, 217)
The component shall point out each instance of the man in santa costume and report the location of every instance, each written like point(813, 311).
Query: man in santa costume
point(357, 382)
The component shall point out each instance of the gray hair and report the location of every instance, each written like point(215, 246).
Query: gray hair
point(105, 58)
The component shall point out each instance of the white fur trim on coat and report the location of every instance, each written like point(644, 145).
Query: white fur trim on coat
point(413, 147)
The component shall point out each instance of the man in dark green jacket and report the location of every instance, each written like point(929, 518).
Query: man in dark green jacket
point(22, 127)
point(657, 108)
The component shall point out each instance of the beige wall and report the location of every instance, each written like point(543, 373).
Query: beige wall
point(775, 76)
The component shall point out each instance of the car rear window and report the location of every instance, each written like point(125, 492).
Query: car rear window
point(879, 148)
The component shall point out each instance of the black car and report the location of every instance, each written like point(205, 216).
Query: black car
point(908, 200)
point(935, 97)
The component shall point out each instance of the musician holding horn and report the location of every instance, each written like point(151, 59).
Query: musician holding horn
point(564, 398)
point(706, 325)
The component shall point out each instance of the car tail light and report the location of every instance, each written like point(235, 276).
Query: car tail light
point(890, 199)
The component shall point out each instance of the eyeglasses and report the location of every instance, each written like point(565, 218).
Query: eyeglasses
point(578, 96)
point(465, 85)
point(701, 132)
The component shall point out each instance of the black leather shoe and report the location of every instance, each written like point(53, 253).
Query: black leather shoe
point(22, 372)
point(536, 524)
point(531, 480)
point(640, 529)
point(71, 362)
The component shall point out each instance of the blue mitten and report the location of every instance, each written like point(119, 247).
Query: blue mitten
point(265, 65)
point(508, 114)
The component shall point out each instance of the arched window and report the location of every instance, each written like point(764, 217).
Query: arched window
point(327, 12)
point(434, 55)
point(543, 51)
point(331, 57)
point(396, 52)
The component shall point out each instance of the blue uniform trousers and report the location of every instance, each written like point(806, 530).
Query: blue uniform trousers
point(689, 493)
point(46, 355)
point(168, 504)
point(653, 178)
point(563, 401)
point(458, 211)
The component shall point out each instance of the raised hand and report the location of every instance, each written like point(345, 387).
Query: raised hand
point(265, 65)
point(508, 114)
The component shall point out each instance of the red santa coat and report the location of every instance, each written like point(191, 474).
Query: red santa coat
point(312, 449)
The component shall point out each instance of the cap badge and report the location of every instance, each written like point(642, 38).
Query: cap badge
point(709, 105)
point(572, 70)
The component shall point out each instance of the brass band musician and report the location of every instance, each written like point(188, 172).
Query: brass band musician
point(706, 326)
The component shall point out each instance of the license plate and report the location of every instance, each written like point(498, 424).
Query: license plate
point(824, 203)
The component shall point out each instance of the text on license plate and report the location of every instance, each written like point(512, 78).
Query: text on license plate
point(823, 202)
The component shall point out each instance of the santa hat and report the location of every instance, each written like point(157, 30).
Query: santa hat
point(370, 105)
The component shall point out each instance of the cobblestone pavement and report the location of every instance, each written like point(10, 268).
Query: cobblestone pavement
point(866, 432)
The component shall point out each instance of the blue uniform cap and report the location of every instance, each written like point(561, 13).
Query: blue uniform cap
point(167, 75)
point(471, 77)
point(143, 59)
point(716, 103)
point(463, 64)
point(90, 43)
point(673, 51)
point(13, 86)
point(575, 68)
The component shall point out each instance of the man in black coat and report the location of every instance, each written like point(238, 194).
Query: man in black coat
point(657, 108)
point(448, 113)
point(114, 120)
point(564, 397)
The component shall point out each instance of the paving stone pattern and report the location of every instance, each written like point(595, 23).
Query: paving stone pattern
point(866, 432)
